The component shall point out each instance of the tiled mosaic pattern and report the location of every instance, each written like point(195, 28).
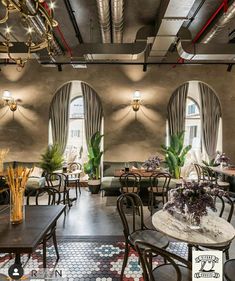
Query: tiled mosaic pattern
point(88, 261)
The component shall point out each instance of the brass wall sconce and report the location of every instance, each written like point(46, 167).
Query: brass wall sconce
point(136, 100)
point(9, 100)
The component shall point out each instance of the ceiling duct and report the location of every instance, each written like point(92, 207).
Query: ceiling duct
point(104, 20)
point(117, 9)
point(203, 52)
point(222, 22)
point(172, 15)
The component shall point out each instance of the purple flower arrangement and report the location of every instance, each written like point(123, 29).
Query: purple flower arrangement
point(223, 159)
point(152, 163)
point(193, 199)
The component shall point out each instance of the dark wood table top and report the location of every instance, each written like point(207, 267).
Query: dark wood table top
point(24, 237)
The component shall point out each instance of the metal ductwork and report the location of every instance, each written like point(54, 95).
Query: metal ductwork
point(117, 9)
point(222, 22)
point(104, 20)
point(172, 16)
point(203, 52)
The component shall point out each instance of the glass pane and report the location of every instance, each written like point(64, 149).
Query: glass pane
point(77, 108)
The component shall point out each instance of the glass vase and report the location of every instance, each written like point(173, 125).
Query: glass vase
point(192, 222)
point(17, 207)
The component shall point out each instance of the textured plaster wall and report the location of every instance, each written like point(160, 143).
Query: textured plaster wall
point(127, 137)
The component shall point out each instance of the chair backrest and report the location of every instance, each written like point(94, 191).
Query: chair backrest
point(130, 209)
point(74, 166)
point(130, 182)
point(146, 253)
point(199, 172)
point(160, 180)
point(208, 174)
point(4, 196)
point(56, 180)
point(43, 196)
point(227, 207)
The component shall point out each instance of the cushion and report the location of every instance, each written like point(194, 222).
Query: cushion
point(36, 172)
point(110, 167)
point(35, 182)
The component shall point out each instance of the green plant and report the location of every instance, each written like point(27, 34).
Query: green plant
point(175, 154)
point(210, 163)
point(92, 167)
point(52, 158)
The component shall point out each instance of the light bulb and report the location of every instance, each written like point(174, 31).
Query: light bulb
point(136, 95)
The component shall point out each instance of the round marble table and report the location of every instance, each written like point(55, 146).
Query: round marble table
point(214, 231)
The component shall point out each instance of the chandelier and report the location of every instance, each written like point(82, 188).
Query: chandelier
point(37, 24)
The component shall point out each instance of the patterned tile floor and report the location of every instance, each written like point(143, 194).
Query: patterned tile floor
point(87, 260)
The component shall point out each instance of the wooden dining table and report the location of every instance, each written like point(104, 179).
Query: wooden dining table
point(25, 237)
point(227, 171)
point(214, 231)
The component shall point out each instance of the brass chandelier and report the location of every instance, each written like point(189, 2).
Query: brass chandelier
point(38, 21)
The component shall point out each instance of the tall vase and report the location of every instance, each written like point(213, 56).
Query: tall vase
point(17, 207)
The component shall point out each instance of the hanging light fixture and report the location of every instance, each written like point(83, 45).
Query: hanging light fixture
point(136, 100)
point(9, 100)
point(34, 17)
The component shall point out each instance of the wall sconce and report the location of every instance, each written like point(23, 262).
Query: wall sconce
point(136, 100)
point(9, 100)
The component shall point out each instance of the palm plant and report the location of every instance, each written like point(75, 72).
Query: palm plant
point(92, 167)
point(52, 158)
point(175, 154)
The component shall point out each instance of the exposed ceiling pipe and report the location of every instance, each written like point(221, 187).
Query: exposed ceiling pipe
point(117, 9)
point(224, 20)
point(104, 20)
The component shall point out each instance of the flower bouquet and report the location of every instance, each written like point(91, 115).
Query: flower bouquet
point(152, 163)
point(223, 160)
point(192, 200)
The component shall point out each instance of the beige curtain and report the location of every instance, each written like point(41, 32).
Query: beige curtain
point(92, 110)
point(59, 115)
point(177, 109)
point(210, 117)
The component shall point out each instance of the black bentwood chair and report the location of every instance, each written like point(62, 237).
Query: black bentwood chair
point(130, 183)
point(46, 196)
point(171, 270)
point(74, 179)
point(133, 225)
point(229, 270)
point(159, 187)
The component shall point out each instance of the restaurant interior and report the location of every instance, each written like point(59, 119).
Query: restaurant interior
point(117, 159)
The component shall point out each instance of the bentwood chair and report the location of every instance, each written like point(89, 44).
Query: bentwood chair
point(225, 208)
point(175, 267)
point(130, 183)
point(46, 196)
point(134, 228)
point(4, 196)
point(210, 176)
point(74, 179)
point(229, 270)
point(159, 187)
point(58, 181)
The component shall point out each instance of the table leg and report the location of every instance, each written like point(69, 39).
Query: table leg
point(190, 250)
point(44, 252)
point(17, 259)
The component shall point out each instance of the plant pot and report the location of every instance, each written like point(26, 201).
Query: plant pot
point(94, 186)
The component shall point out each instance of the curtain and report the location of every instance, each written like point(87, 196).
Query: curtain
point(93, 111)
point(59, 115)
point(176, 110)
point(210, 117)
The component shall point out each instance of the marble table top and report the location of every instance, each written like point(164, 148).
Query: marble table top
point(225, 170)
point(214, 231)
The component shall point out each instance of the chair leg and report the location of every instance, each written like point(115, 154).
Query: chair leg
point(125, 260)
point(44, 252)
point(79, 188)
point(227, 254)
point(55, 245)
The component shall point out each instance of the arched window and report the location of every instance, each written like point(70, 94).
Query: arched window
point(193, 125)
point(76, 144)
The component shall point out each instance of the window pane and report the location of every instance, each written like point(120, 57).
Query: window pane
point(77, 108)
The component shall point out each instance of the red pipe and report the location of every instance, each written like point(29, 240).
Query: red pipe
point(224, 5)
point(69, 50)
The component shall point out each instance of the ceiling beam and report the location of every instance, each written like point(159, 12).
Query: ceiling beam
point(73, 21)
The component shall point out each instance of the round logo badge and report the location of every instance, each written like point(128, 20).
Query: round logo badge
point(16, 271)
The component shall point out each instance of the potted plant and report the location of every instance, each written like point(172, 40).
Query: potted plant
point(175, 154)
point(152, 163)
point(52, 159)
point(92, 167)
